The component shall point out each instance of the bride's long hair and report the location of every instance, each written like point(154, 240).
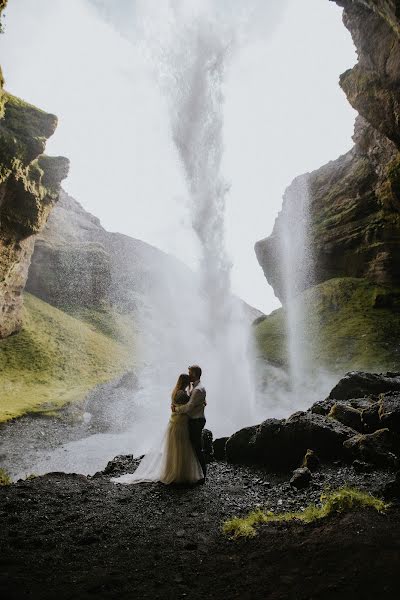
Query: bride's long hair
point(181, 384)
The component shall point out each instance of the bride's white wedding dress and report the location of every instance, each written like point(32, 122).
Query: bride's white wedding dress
point(174, 461)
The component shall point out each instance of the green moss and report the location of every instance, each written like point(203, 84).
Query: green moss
point(5, 479)
point(389, 192)
point(345, 330)
point(339, 501)
point(55, 359)
point(118, 327)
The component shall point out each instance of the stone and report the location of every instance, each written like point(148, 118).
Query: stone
point(358, 384)
point(391, 490)
point(207, 443)
point(322, 407)
point(240, 448)
point(370, 418)
point(362, 467)
point(378, 448)
point(347, 415)
point(311, 460)
point(219, 448)
point(282, 444)
point(389, 411)
point(301, 478)
point(123, 463)
point(303, 431)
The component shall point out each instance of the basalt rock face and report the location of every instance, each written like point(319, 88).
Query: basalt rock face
point(77, 263)
point(70, 263)
point(353, 203)
point(29, 188)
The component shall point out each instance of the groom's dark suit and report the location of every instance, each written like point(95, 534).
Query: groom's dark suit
point(195, 411)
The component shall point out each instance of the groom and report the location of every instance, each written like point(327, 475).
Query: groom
point(195, 411)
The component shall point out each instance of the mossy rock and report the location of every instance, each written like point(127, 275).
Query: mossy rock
point(346, 329)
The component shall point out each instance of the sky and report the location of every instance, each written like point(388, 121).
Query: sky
point(284, 114)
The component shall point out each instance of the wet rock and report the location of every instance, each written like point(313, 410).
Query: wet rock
point(358, 384)
point(389, 412)
point(347, 415)
point(301, 478)
point(123, 463)
point(303, 431)
point(240, 447)
point(322, 407)
point(370, 418)
point(282, 444)
point(377, 448)
point(362, 467)
point(391, 490)
point(219, 448)
point(207, 443)
point(311, 460)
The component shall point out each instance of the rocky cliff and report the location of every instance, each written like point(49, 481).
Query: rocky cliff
point(29, 188)
point(78, 264)
point(353, 203)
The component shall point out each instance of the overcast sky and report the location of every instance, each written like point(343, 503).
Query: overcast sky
point(284, 115)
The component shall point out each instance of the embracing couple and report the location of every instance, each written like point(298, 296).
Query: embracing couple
point(180, 458)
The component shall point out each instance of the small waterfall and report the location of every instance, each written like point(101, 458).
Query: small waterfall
point(297, 272)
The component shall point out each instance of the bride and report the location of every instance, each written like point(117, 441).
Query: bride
point(175, 461)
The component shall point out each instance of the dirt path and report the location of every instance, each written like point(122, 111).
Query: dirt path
point(66, 536)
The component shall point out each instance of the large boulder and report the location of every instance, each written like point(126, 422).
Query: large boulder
point(358, 384)
point(219, 448)
point(379, 448)
point(324, 435)
point(347, 415)
point(240, 447)
point(282, 444)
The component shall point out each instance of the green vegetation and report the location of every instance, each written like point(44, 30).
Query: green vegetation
point(340, 501)
point(5, 479)
point(116, 326)
point(56, 359)
point(350, 324)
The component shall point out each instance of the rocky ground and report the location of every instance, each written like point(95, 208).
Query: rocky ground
point(71, 536)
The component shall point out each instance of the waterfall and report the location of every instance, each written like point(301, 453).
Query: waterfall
point(191, 60)
point(297, 272)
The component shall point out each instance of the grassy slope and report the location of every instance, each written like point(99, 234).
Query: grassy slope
point(345, 329)
point(55, 359)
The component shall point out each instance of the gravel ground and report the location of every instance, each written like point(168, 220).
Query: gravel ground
point(69, 536)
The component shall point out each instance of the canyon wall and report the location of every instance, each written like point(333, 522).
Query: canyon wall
point(29, 188)
point(353, 205)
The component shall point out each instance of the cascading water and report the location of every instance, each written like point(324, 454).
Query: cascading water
point(297, 271)
point(191, 65)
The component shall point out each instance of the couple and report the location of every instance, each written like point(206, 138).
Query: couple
point(180, 458)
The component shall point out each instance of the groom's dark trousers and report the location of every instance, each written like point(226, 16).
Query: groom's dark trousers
point(196, 427)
